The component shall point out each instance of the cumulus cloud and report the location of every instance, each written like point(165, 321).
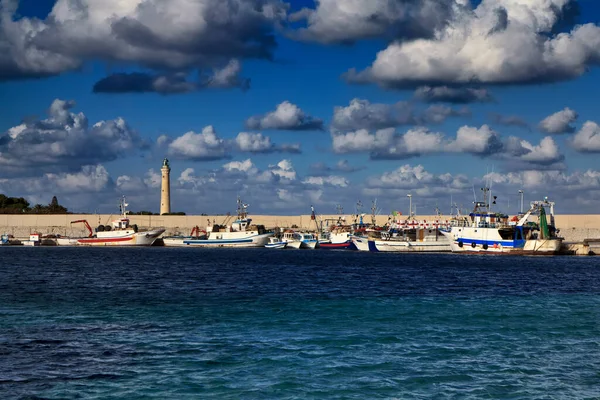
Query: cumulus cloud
point(346, 21)
point(257, 143)
point(560, 122)
point(284, 169)
point(414, 143)
point(178, 35)
point(574, 192)
point(202, 146)
point(387, 144)
point(427, 189)
point(287, 116)
point(482, 141)
point(445, 94)
point(362, 114)
point(280, 183)
point(326, 180)
point(438, 113)
point(174, 83)
point(587, 140)
point(498, 42)
point(65, 142)
point(546, 153)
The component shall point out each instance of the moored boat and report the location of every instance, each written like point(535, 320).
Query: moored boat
point(484, 231)
point(275, 243)
point(119, 233)
point(292, 239)
point(180, 240)
point(241, 232)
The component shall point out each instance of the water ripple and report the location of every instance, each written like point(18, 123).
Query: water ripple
point(190, 323)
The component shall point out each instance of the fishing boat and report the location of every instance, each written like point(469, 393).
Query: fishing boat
point(275, 243)
point(484, 231)
point(119, 233)
point(241, 232)
point(292, 239)
point(9, 240)
point(179, 240)
point(339, 237)
point(308, 241)
point(425, 237)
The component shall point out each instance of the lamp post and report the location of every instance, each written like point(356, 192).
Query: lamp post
point(521, 194)
point(410, 214)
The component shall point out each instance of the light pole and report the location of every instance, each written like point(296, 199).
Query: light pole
point(521, 194)
point(410, 205)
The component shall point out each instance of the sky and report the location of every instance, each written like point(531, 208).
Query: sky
point(300, 103)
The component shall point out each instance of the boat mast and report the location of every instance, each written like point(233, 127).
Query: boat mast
point(242, 209)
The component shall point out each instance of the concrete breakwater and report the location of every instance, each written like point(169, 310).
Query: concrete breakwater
point(574, 228)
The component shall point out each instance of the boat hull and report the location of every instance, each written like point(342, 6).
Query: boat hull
point(479, 246)
point(333, 246)
point(310, 245)
point(361, 243)
point(295, 244)
point(249, 241)
point(135, 239)
point(281, 245)
point(402, 246)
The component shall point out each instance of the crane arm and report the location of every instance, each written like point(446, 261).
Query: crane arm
point(87, 225)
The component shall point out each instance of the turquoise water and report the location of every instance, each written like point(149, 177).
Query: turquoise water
point(267, 324)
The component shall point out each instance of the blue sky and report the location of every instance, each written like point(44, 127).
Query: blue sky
point(289, 104)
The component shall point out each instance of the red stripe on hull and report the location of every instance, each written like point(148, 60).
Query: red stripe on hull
point(334, 246)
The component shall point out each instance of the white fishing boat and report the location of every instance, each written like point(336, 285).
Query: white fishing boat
point(241, 232)
point(308, 241)
point(119, 233)
point(412, 240)
point(179, 240)
point(275, 243)
point(292, 239)
point(361, 243)
point(484, 231)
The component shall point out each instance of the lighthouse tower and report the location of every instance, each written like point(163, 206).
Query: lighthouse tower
point(165, 192)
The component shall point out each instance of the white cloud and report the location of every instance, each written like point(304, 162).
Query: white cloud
point(344, 21)
point(498, 42)
point(560, 122)
point(257, 143)
point(587, 140)
point(243, 166)
point(480, 141)
point(362, 140)
point(199, 146)
point(287, 116)
point(362, 114)
point(174, 35)
point(326, 180)
point(90, 178)
point(65, 142)
point(546, 152)
point(284, 169)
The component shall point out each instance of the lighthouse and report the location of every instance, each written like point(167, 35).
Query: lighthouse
point(165, 192)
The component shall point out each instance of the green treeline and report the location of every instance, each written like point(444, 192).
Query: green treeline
point(18, 205)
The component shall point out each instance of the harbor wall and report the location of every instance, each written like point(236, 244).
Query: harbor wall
point(572, 227)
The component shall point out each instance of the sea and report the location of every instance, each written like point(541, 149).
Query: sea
point(181, 323)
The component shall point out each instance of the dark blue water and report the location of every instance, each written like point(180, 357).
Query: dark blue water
point(161, 323)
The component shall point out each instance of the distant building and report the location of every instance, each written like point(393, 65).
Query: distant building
point(165, 193)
